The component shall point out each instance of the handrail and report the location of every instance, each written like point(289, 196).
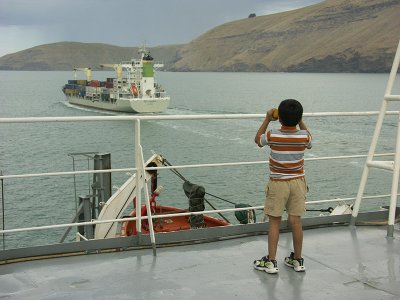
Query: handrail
point(93, 222)
point(140, 163)
point(179, 117)
point(183, 166)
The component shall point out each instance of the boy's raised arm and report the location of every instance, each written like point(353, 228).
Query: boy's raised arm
point(302, 125)
point(268, 118)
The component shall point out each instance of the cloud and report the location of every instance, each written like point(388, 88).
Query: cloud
point(27, 23)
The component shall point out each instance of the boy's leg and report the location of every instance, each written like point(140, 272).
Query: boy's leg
point(268, 263)
point(297, 235)
point(274, 205)
point(273, 236)
point(296, 208)
point(294, 260)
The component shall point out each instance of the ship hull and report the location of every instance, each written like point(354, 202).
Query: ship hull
point(136, 105)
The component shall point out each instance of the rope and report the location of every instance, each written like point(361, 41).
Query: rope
point(184, 179)
point(221, 198)
point(329, 209)
point(176, 172)
point(2, 210)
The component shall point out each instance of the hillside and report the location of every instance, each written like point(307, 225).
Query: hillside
point(67, 55)
point(332, 36)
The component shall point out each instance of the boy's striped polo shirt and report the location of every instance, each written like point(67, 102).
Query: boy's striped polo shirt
point(287, 145)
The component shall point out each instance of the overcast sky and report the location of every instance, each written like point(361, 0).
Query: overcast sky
point(28, 23)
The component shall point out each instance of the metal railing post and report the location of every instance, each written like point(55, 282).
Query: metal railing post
point(141, 184)
point(395, 185)
point(138, 181)
point(148, 208)
point(86, 216)
point(370, 163)
point(370, 157)
point(2, 210)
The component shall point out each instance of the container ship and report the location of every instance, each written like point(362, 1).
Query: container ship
point(133, 90)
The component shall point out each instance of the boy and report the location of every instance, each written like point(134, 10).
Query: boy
point(287, 187)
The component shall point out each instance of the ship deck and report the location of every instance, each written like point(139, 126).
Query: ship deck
point(343, 262)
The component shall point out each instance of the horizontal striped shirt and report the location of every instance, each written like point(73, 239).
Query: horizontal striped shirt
point(287, 145)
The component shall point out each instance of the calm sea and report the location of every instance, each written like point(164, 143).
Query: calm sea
point(36, 148)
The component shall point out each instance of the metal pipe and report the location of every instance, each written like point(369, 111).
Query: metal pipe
point(387, 97)
point(395, 179)
point(2, 210)
point(364, 176)
point(395, 185)
point(138, 181)
point(93, 222)
point(179, 117)
point(148, 208)
point(186, 166)
point(196, 117)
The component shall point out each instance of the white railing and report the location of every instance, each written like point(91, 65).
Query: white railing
point(140, 164)
point(215, 211)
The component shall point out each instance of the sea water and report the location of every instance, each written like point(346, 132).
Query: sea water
point(44, 147)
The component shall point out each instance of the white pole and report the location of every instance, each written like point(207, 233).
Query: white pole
point(179, 117)
point(364, 176)
point(148, 208)
point(378, 127)
point(395, 180)
point(393, 73)
point(395, 185)
point(138, 189)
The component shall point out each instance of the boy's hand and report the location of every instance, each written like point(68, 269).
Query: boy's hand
point(270, 115)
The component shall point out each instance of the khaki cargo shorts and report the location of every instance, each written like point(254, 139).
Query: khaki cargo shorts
point(289, 194)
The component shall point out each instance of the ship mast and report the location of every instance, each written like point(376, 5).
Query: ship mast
point(88, 72)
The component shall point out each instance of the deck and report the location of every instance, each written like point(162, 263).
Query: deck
point(342, 262)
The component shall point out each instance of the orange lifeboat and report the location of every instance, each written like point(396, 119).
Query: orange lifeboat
point(167, 224)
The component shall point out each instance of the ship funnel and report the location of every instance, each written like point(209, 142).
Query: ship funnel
point(89, 74)
point(119, 72)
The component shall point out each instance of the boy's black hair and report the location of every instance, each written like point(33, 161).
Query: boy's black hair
point(290, 112)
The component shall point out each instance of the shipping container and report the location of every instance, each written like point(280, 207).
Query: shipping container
point(81, 82)
point(72, 86)
point(94, 83)
point(93, 90)
point(71, 91)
